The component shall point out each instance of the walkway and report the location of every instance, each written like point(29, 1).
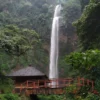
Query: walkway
point(53, 86)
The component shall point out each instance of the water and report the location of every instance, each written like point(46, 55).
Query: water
point(53, 68)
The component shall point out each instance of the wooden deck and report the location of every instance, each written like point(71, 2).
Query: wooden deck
point(52, 86)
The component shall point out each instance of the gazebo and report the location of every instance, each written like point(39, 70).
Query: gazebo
point(27, 73)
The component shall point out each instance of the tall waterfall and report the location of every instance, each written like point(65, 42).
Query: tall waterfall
point(53, 68)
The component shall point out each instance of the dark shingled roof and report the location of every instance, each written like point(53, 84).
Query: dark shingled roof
point(27, 71)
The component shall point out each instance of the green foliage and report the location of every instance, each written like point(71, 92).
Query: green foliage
point(16, 41)
point(9, 96)
point(41, 57)
point(21, 47)
point(89, 97)
point(32, 14)
point(94, 1)
point(84, 3)
point(87, 64)
point(22, 44)
point(63, 68)
point(88, 59)
point(88, 28)
point(71, 12)
point(6, 84)
point(52, 97)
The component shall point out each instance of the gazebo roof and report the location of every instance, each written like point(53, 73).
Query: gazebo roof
point(27, 71)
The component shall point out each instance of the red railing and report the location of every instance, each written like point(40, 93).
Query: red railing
point(56, 83)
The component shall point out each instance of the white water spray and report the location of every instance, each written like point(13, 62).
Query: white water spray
point(53, 71)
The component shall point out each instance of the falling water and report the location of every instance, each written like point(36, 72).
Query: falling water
point(53, 71)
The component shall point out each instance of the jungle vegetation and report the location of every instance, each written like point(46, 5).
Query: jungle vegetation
point(25, 30)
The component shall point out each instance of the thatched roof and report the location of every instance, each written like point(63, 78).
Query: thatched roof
point(27, 71)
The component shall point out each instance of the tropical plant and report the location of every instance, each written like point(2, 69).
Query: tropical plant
point(88, 28)
point(85, 64)
point(71, 12)
point(16, 41)
point(9, 96)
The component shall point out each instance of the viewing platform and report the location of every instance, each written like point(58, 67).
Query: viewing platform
point(52, 86)
point(29, 81)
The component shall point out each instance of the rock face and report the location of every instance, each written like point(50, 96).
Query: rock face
point(63, 38)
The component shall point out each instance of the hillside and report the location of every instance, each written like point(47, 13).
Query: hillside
point(37, 15)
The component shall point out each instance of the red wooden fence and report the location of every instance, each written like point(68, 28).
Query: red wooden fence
point(53, 84)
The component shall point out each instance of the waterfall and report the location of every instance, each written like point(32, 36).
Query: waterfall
point(53, 67)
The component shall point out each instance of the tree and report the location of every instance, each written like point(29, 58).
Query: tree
point(87, 60)
point(15, 46)
point(94, 1)
point(86, 64)
point(88, 27)
point(32, 14)
point(71, 12)
point(16, 41)
point(84, 3)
